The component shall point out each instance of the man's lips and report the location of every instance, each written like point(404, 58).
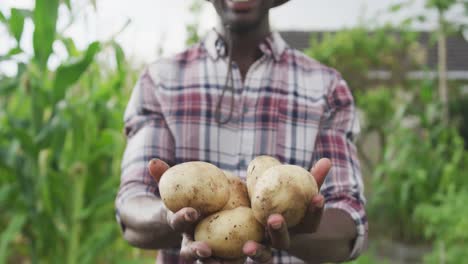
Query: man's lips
point(240, 5)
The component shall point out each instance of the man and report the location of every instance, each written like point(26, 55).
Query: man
point(242, 92)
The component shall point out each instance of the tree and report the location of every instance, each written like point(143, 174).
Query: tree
point(445, 26)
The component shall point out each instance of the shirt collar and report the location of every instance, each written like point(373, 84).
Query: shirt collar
point(273, 45)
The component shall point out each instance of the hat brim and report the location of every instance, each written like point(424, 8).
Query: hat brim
point(277, 2)
point(280, 2)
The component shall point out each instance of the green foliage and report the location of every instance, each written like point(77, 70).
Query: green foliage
point(16, 23)
point(415, 156)
point(61, 143)
point(195, 9)
point(442, 5)
point(447, 24)
point(378, 107)
point(8, 235)
point(68, 74)
point(45, 20)
point(369, 258)
point(420, 160)
point(459, 112)
point(356, 51)
point(446, 221)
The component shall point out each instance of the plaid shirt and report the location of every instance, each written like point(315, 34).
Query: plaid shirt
point(289, 106)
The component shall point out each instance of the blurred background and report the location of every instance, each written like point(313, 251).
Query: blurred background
point(67, 68)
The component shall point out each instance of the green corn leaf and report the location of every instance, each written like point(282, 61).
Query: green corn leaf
point(68, 4)
point(45, 20)
point(105, 198)
point(15, 51)
point(119, 57)
point(8, 85)
point(2, 17)
point(5, 191)
point(96, 242)
point(52, 129)
point(70, 46)
point(13, 228)
point(12, 52)
point(16, 23)
point(68, 74)
point(26, 141)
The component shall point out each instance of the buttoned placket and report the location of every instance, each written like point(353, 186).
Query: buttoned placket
point(246, 136)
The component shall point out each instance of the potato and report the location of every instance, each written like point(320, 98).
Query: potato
point(226, 232)
point(285, 190)
point(238, 195)
point(256, 168)
point(195, 184)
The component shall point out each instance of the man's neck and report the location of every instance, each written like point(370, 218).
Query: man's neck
point(245, 44)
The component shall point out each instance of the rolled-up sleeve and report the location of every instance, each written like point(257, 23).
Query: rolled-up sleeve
point(343, 188)
point(148, 136)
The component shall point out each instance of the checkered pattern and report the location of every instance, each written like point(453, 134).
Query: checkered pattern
point(289, 106)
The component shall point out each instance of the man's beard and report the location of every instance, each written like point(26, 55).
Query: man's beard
point(244, 26)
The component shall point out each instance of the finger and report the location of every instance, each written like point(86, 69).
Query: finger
point(278, 231)
point(184, 220)
point(320, 171)
point(258, 252)
point(312, 218)
point(157, 168)
point(222, 261)
point(192, 250)
point(314, 214)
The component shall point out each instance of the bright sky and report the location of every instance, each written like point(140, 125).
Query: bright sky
point(159, 24)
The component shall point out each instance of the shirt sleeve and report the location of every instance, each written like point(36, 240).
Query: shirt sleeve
point(148, 137)
point(343, 187)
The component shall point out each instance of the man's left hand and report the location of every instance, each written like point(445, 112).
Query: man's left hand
point(277, 230)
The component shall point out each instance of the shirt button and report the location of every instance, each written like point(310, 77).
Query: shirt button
point(246, 109)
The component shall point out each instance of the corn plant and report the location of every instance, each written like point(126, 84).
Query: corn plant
point(61, 142)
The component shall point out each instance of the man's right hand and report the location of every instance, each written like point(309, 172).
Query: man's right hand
point(149, 224)
point(183, 221)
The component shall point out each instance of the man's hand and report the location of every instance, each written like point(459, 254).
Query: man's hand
point(185, 220)
point(277, 230)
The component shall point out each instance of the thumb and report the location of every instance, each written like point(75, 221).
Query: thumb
point(320, 171)
point(157, 168)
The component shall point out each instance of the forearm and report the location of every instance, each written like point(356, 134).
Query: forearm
point(332, 242)
point(145, 221)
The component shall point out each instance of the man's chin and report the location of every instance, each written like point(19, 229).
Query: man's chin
point(242, 26)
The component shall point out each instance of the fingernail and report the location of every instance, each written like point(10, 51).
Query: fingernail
point(202, 254)
point(192, 216)
point(276, 225)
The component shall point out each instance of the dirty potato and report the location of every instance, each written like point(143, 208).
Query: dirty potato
point(226, 232)
point(256, 168)
point(238, 192)
point(285, 190)
point(195, 184)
